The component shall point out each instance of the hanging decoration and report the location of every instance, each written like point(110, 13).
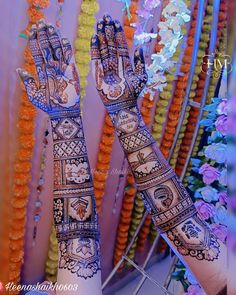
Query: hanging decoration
point(178, 95)
point(59, 12)
point(38, 202)
point(52, 259)
point(22, 164)
point(175, 14)
point(205, 177)
point(145, 14)
point(220, 49)
point(196, 93)
point(86, 22)
point(125, 218)
point(103, 161)
point(166, 95)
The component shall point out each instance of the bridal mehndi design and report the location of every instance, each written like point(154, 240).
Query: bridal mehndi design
point(119, 85)
point(58, 94)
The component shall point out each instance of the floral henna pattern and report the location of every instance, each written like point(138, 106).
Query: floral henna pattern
point(194, 238)
point(80, 256)
point(166, 199)
point(57, 93)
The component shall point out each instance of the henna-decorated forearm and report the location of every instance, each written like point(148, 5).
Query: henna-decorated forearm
point(58, 94)
point(75, 216)
point(165, 198)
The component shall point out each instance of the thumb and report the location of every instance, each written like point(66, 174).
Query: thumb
point(139, 64)
point(29, 82)
point(31, 88)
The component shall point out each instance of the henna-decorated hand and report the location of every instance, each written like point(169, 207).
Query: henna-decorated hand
point(117, 82)
point(58, 88)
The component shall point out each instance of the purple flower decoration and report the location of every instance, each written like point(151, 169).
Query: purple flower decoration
point(205, 210)
point(210, 174)
point(216, 152)
point(221, 216)
point(220, 231)
point(194, 290)
point(221, 124)
point(208, 193)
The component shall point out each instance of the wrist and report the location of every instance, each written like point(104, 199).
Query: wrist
point(115, 106)
point(64, 113)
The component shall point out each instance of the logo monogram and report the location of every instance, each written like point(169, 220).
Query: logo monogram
point(214, 64)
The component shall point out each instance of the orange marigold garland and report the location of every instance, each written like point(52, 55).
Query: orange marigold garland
point(24, 153)
point(103, 161)
point(125, 218)
point(187, 129)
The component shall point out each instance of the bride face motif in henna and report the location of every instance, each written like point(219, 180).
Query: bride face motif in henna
point(58, 87)
point(116, 80)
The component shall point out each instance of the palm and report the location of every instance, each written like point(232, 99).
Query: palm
point(58, 80)
point(116, 80)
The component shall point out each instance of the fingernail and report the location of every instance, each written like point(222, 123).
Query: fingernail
point(94, 39)
point(50, 28)
point(100, 24)
point(33, 30)
point(41, 24)
point(107, 18)
point(64, 41)
point(117, 24)
point(21, 72)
